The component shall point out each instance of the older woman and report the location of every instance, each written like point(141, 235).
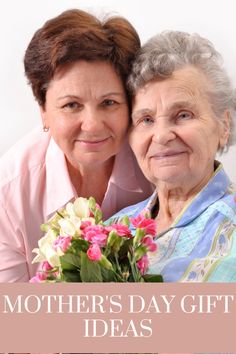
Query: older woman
point(77, 68)
point(183, 113)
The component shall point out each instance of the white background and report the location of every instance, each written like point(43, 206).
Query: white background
point(20, 19)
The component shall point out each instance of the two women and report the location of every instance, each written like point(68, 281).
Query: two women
point(77, 67)
point(183, 114)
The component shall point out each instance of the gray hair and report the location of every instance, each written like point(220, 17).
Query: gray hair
point(173, 50)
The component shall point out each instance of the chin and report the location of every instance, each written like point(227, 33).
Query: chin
point(168, 179)
point(93, 159)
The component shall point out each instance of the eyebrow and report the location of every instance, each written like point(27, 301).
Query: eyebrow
point(103, 96)
point(173, 107)
point(113, 94)
point(181, 105)
point(68, 96)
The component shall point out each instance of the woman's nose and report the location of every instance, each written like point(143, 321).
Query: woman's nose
point(163, 132)
point(91, 120)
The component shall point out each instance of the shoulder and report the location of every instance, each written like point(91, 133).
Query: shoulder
point(226, 205)
point(28, 153)
point(131, 211)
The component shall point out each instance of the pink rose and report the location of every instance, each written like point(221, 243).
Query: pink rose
point(63, 242)
point(149, 243)
point(142, 264)
point(121, 230)
point(94, 253)
point(39, 277)
point(148, 224)
point(96, 234)
point(85, 224)
point(46, 266)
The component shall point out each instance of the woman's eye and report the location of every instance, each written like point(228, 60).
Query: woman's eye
point(147, 120)
point(108, 102)
point(143, 122)
point(184, 115)
point(71, 106)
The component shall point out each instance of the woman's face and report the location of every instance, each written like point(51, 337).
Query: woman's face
point(175, 134)
point(86, 111)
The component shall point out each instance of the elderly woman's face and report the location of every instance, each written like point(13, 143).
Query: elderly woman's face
point(86, 111)
point(175, 134)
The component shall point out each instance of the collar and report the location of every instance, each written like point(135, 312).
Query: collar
point(59, 189)
point(215, 189)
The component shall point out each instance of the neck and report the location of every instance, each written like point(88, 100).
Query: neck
point(91, 180)
point(172, 201)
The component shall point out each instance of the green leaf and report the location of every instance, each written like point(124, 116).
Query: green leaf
point(92, 203)
point(153, 278)
point(44, 227)
point(71, 277)
point(78, 245)
point(107, 275)
point(90, 270)
point(125, 248)
point(125, 220)
point(134, 270)
point(139, 252)
point(70, 261)
point(112, 237)
point(97, 216)
point(139, 234)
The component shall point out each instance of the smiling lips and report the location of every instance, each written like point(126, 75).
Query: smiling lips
point(93, 143)
point(167, 154)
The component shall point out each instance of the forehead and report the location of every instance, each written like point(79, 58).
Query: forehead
point(86, 71)
point(83, 78)
point(188, 84)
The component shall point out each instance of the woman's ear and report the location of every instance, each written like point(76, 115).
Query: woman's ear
point(44, 118)
point(225, 129)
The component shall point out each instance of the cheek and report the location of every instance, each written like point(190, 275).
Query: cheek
point(203, 143)
point(211, 138)
point(122, 122)
point(63, 132)
point(122, 127)
point(138, 146)
point(194, 138)
point(133, 137)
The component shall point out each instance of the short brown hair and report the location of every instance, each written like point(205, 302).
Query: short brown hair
point(77, 35)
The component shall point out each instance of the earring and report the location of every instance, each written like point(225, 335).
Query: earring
point(45, 129)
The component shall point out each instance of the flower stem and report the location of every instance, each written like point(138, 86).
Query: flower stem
point(118, 267)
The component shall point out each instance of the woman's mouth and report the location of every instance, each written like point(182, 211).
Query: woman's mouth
point(93, 142)
point(167, 154)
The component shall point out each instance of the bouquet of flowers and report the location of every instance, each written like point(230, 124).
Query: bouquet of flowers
point(78, 246)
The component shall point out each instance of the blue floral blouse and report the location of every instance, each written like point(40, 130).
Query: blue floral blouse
point(200, 245)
